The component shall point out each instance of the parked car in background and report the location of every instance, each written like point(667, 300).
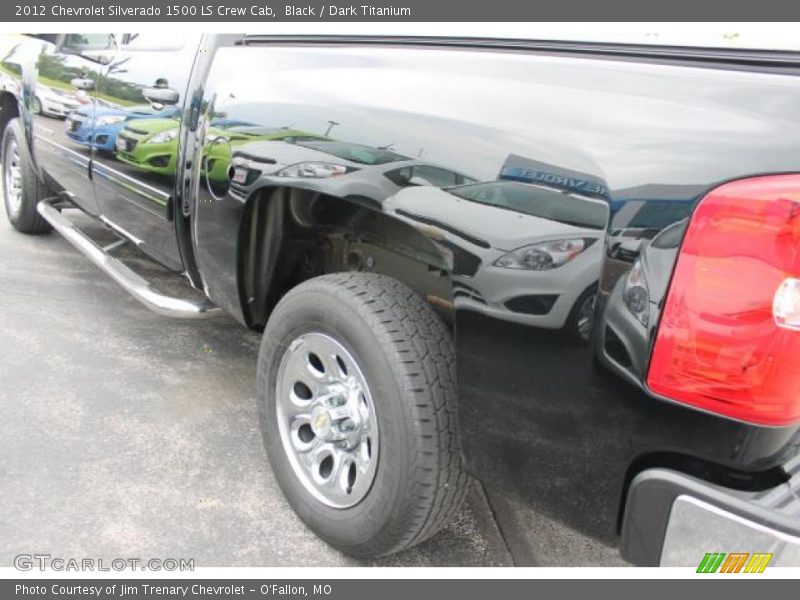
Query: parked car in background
point(152, 144)
point(221, 143)
point(99, 126)
point(342, 169)
point(524, 253)
point(53, 102)
point(625, 243)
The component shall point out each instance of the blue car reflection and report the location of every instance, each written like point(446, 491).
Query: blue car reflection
point(108, 122)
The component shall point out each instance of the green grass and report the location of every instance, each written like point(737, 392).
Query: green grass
point(63, 85)
point(8, 71)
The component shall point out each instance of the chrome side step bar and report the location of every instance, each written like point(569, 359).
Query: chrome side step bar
point(134, 283)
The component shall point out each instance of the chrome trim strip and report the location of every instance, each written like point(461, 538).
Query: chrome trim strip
point(135, 284)
point(118, 177)
point(84, 160)
point(591, 49)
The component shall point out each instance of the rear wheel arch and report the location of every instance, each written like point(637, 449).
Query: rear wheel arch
point(287, 234)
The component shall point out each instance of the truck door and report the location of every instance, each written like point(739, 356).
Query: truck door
point(135, 179)
point(62, 103)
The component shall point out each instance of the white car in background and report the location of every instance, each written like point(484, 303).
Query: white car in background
point(523, 252)
point(52, 102)
point(336, 168)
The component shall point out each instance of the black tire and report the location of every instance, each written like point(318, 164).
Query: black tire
point(406, 354)
point(37, 106)
point(23, 216)
point(573, 328)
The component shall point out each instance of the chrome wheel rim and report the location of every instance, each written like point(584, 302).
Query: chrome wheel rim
point(586, 317)
point(13, 178)
point(327, 420)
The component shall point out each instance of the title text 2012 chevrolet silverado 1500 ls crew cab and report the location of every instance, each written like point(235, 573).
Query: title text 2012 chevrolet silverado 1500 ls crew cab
point(571, 271)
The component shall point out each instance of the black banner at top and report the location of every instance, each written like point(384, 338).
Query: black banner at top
point(25, 11)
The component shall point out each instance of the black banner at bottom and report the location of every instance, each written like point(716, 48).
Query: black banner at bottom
point(391, 589)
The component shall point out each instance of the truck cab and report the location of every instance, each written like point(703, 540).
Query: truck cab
point(568, 271)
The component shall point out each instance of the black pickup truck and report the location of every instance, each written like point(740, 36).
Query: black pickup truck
point(569, 270)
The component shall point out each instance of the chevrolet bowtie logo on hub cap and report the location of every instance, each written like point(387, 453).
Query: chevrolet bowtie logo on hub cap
point(321, 422)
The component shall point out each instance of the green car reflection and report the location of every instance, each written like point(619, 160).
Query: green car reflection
point(217, 152)
point(152, 144)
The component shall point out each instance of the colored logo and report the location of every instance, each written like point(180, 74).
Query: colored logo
point(734, 562)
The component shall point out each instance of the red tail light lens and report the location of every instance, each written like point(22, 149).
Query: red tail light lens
point(729, 336)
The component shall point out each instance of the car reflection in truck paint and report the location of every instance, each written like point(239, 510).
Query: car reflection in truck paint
point(219, 146)
point(535, 228)
point(54, 102)
point(634, 304)
point(47, 100)
point(534, 259)
point(152, 144)
point(108, 122)
point(363, 174)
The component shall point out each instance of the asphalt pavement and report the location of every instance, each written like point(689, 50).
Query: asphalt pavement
point(128, 434)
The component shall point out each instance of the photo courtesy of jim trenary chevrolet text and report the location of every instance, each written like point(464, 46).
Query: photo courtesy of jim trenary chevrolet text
point(439, 299)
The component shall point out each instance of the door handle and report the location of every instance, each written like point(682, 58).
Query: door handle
point(161, 94)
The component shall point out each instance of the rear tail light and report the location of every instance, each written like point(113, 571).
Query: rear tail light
point(729, 336)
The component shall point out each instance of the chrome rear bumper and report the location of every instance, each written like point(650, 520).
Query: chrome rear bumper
point(673, 519)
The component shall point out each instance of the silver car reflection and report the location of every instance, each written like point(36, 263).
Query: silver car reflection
point(536, 251)
point(341, 169)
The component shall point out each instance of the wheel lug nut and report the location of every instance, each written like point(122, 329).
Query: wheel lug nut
point(347, 425)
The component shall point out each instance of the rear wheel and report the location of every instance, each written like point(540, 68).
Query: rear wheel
point(22, 189)
point(356, 392)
